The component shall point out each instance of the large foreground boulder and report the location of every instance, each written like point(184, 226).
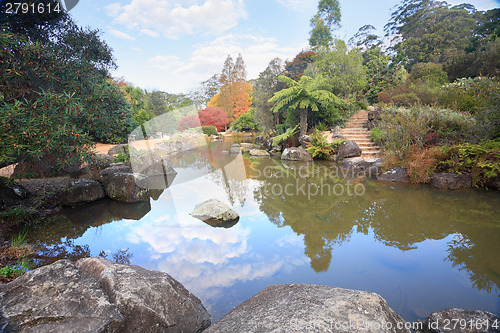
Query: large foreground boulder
point(451, 181)
point(127, 187)
point(82, 191)
point(296, 154)
point(396, 175)
point(349, 149)
point(462, 321)
point(311, 308)
point(216, 213)
point(57, 298)
point(150, 301)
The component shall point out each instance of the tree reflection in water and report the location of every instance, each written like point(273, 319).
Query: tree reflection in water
point(399, 216)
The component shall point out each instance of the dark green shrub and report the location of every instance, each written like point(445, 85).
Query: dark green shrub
point(481, 160)
point(320, 149)
point(376, 135)
point(245, 122)
point(429, 72)
point(209, 130)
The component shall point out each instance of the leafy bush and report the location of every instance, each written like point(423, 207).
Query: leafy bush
point(213, 116)
point(289, 133)
point(45, 131)
point(321, 126)
point(481, 160)
point(320, 149)
point(407, 99)
point(377, 136)
point(17, 269)
point(209, 130)
point(187, 122)
point(410, 128)
point(245, 122)
point(429, 72)
point(479, 96)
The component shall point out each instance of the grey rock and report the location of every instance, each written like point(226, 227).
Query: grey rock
point(304, 140)
point(397, 175)
point(152, 164)
point(150, 301)
point(105, 160)
point(310, 308)
point(122, 148)
point(349, 149)
point(127, 187)
point(451, 181)
point(248, 146)
point(375, 161)
point(482, 321)
point(296, 154)
point(373, 171)
point(114, 169)
point(82, 191)
point(57, 298)
point(354, 163)
point(235, 150)
point(214, 211)
point(11, 190)
point(259, 152)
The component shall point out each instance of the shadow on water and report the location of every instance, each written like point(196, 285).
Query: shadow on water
point(55, 237)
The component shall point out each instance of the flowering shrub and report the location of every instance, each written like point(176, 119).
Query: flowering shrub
point(211, 116)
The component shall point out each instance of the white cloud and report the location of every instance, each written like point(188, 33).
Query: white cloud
point(297, 5)
point(208, 58)
point(121, 34)
point(150, 32)
point(175, 18)
point(164, 62)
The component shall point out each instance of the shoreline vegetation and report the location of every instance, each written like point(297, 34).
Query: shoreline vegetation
point(434, 96)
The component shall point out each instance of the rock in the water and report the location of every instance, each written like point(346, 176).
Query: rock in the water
point(123, 148)
point(475, 321)
point(150, 301)
point(245, 146)
point(113, 170)
point(397, 175)
point(127, 187)
point(57, 298)
point(354, 163)
point(235, 150)
point(296, 154)
point(82, 191)
point(258, 152)
point(11, 190)
point(451, 181)
point(373, 171)
point(310, 308)
point(151, 164)
point(214, 211)
point(349, 149)
point(304, 140)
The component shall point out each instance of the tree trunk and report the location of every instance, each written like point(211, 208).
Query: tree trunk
point(303, 121)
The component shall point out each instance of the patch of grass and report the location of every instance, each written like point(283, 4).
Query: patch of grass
point(16, 215)
point(17, 269)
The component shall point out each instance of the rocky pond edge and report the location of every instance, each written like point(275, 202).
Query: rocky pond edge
point(97, 295)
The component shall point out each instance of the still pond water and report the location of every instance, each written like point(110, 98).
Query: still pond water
point(421, 249)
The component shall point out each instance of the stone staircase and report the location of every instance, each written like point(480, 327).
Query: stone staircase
point(355, 130)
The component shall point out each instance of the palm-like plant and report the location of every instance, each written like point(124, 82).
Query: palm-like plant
point(305, 94)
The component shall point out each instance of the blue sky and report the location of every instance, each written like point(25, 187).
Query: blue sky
point(174, 45)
